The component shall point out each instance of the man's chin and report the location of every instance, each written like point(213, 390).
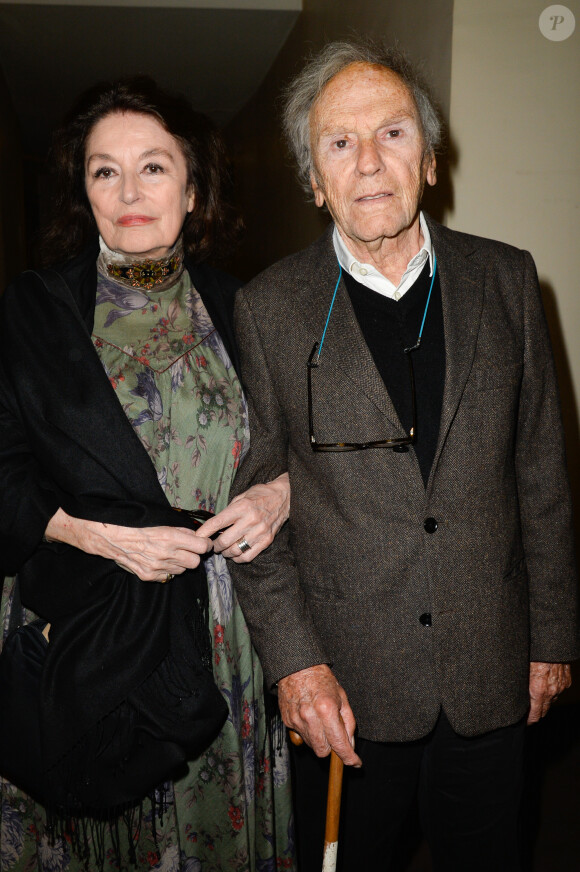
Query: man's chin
point(373, 234)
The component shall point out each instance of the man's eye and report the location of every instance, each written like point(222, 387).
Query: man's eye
point(394, 133)
point(341, 143)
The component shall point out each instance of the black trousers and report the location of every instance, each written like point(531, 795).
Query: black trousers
point(468, 790)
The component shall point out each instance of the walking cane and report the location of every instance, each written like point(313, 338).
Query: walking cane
point(332, 807)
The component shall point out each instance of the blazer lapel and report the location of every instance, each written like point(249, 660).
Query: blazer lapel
point(344, 345)
point(462, 279)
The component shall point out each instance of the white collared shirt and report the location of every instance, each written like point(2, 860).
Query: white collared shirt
point(370, 277)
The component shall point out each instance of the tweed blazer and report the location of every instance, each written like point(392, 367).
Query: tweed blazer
point(485, 549)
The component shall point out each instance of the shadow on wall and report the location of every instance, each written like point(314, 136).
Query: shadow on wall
point(571, 428)
point(440, 199)
point(568, 397)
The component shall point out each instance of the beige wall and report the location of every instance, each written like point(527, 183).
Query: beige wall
point(278, 218)
point(515, 120)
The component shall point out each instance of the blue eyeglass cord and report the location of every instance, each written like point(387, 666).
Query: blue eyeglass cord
point(330, 311)
point(334, 297)
point(429, 297)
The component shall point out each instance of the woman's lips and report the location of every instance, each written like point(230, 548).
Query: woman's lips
point(134, 220)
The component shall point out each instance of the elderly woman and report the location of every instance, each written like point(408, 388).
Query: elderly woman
point(120, 412)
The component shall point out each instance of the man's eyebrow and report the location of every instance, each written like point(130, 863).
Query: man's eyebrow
point(337, 129)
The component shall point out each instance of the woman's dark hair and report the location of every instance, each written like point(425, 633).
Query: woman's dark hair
point(213, 225)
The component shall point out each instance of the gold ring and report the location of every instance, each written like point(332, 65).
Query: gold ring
point(168, 577)
point(243, 545)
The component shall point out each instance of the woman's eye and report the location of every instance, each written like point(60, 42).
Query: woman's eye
point(103, 173)
point(153, 169)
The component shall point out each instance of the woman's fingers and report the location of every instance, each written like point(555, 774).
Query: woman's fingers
point(151, 553)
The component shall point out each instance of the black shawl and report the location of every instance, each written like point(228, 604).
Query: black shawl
point(127, 694)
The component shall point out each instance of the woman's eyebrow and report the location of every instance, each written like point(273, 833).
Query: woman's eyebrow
point(99, 156)
point(151, 152)
point(157, 152)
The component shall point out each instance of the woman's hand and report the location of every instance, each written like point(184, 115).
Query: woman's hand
point(151, 553)
point(252, 518)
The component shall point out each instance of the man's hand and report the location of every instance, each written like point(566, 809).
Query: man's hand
point(547, 681)
point(313, 703)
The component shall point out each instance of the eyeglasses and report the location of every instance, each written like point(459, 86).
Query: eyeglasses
point(398, 443)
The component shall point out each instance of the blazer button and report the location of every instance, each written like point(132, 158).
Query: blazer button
point(425, 619)
point(430, 525)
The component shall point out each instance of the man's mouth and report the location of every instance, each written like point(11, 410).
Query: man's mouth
point(380, 196)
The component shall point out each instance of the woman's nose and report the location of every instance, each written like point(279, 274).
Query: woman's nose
point(130, 189)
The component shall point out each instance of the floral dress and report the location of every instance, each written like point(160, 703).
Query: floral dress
point(232, 811)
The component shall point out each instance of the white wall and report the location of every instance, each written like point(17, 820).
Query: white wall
point(515, 119)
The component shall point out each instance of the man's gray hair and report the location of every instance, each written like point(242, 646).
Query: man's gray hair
point(303, 92)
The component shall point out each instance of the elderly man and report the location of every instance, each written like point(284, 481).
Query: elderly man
point(425, 584)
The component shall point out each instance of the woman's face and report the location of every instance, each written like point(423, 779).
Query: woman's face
point(136, 182)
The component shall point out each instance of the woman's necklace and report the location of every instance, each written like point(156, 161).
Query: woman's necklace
point(144, 273)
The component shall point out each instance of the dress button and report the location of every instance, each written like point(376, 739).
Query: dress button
point(425, 619)
point(430, 525)
point(363, 271)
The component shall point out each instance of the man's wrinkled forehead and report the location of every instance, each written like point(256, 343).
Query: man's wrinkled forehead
point(362, 87)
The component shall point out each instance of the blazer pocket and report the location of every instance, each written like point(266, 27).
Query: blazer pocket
point(323, 592)
point(516, 569)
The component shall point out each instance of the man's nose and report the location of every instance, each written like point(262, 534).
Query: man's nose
point(369, 159)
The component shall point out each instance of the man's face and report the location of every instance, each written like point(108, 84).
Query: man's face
point(368, 153)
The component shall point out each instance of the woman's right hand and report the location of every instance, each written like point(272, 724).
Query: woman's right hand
point(151, 553)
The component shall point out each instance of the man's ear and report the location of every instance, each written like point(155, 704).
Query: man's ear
point(431, 175)
point(318, 195)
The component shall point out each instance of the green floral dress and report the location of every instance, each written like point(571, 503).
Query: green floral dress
point(173, 377)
